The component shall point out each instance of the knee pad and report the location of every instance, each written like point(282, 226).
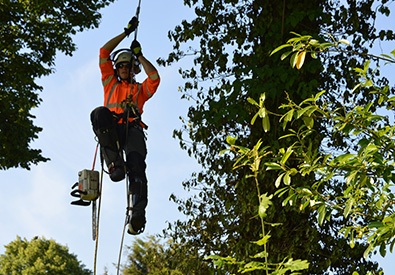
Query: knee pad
point(104, 127)
point(102, 118)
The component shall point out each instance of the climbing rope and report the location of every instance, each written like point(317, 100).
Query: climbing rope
point(123, 231)
point(137, 15)
point(128, 200)
point(96, 234)
point(135, 35)
point(98, 219)
point(96, 214)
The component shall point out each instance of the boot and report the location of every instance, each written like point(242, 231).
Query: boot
point(139, 201)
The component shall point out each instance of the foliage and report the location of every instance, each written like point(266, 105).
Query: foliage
point(230, 43)
point(365, 170)
point(358, 183)
point(252, 159)
point(32, 32)
point(39, 256)
point(150, 256)
point(306, 44)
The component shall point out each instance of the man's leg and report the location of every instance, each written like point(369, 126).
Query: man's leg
point(135, 160)
point(138, 189)
point(104, 127)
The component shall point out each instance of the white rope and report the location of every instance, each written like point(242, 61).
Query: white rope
point(96, 229)
point(97, 223)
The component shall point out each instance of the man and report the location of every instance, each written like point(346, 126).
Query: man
point(123, 105)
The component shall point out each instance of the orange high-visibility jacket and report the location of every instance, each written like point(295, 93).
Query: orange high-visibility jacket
point(116, 91)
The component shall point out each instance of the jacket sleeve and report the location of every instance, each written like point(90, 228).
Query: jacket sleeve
point(106, 69)
point(149, 86)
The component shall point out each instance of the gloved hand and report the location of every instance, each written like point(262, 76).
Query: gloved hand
point(132, 25)
point(136, 48)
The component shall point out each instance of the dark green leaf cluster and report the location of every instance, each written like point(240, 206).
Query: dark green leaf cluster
point(32, 33)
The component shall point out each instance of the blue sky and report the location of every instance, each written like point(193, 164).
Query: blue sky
point(37, 202)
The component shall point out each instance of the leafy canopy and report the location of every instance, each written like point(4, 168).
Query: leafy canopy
point(39, 256)
point(32, 33)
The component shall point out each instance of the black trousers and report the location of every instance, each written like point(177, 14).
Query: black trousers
point(131, 140)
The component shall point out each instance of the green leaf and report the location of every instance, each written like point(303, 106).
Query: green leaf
point(263, 240)
point(281, 192)
point(252, 101)
point(266, 124)
point(292, 61)
point(308, 121)
point(350, 178)
point(344, 41)
point(273, 166)
point(254, 118)
point(287, 179)
point(289, 199)
point(220, 261)
point(260, 255)
point(286, 156)
point(387, 56)
point(262, 99)
point(296, 265)
point(383, 249)
point(287, 116)
point(279, 48)
point(321, 214)
point(264, 204)
point(314, 42)
point(285, 55)
point(231, 140)
point(342, 159)
point(375, 225)
point(278, 180)
point(352, 241)
point(349, 204)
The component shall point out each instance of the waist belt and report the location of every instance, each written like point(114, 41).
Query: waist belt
point(134, 121)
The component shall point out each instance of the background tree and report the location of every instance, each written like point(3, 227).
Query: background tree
point(39, 256)
point(32, 32)
point(151, 256)
point(233, 40)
